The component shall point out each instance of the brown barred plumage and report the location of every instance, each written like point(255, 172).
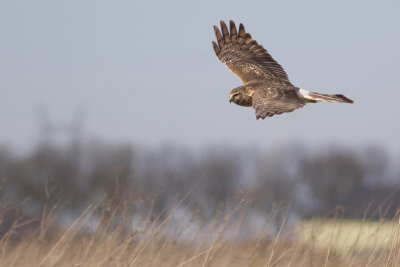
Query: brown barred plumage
point(266, 85)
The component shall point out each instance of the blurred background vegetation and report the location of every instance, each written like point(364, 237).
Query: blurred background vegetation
point(68, 171)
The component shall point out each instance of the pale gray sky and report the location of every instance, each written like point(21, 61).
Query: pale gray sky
point(146, 72)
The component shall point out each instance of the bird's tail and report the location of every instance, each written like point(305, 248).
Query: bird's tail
point(315, 97)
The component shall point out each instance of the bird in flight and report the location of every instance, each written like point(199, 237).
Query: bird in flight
point(266, 85)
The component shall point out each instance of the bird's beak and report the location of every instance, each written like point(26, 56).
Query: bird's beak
point(230, 99)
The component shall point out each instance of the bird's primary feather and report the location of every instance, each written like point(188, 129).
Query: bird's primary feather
point(245, 57)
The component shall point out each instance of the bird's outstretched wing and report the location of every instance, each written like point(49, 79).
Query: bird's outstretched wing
point(271, 101)
point(245, 57)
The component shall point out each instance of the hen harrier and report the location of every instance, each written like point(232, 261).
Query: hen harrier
point(266, 85)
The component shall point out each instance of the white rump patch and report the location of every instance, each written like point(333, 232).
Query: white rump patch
point(306, 94)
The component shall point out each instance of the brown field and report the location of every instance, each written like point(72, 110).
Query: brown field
point(113, 237)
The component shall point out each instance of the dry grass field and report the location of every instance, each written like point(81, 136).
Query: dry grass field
point(105, 236)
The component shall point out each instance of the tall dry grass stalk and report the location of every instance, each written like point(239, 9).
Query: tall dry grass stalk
point(114, 234)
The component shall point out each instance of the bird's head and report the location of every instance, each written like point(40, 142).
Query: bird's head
point(240, 97)
point(235, 97)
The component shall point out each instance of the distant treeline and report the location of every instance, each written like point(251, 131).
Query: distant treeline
point(355, 183)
